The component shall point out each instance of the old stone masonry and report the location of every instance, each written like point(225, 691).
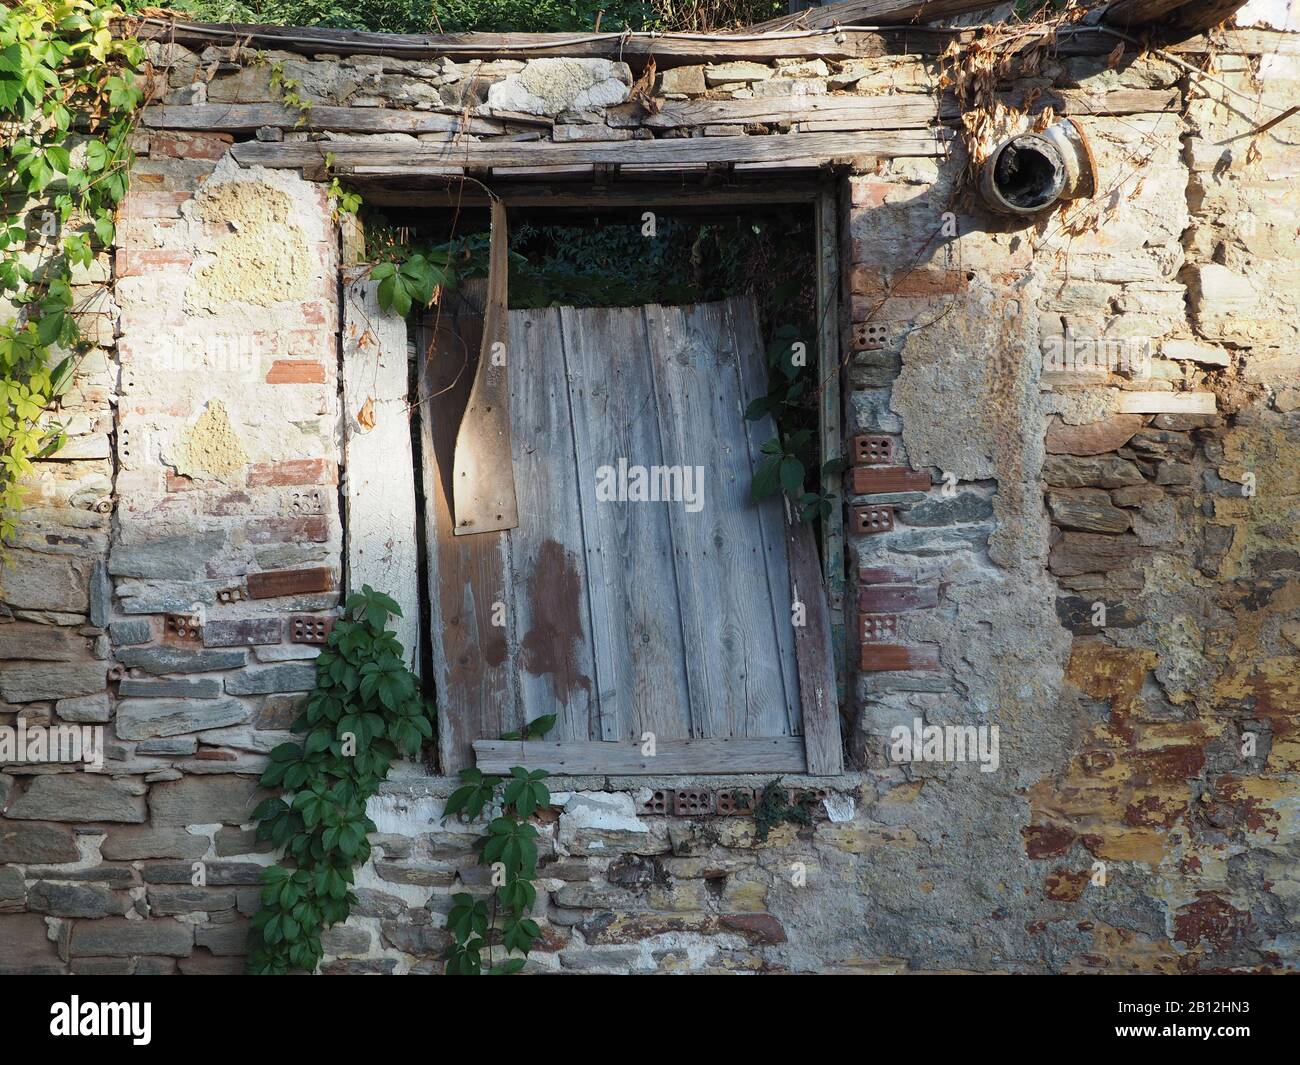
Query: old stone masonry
point(1104, 565)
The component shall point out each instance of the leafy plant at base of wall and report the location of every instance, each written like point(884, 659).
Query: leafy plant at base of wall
point(68, 100)
point(365, 710)
point(509, 848)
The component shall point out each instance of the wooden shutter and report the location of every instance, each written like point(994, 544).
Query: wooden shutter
point(625, 618)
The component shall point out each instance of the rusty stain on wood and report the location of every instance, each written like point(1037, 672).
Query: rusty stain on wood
point(555, 596)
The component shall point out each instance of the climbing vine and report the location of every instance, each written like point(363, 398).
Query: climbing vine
point(790, 455)
point(366, 709)
point(69, 94)
point(509, 849)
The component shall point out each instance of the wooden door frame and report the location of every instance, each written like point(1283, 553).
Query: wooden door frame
point(694, 757)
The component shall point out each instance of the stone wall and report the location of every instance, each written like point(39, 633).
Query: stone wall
point(195, 514)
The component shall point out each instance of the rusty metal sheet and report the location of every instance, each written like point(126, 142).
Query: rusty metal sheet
point(483, 479)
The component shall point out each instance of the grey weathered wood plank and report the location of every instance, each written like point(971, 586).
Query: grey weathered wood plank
point(548, 558)
point(474, 657)
point(781, 754)
point(721, 574)
point(814, 652)
point(1188, 15)
point(370, 157)
point(641, 655)
point(743, 323)
point(896, 111)
point(379, 468)
point(830, 328)
point(867, 13)
point(644, 194)
point(242, 118)
point(668, 49)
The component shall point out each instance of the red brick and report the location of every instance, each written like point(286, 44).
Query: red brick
point(877, 628)
point(893, 598)
point(296, 372)
point(872, 191)
point(132, 262)
point(293, 471)
point(154, 204)
point(275, 583)
point(870, 335)
point(883, 575)
point(878, 657)
point(190, 145)
point(868, 520)
point(288, 530)
point(865, 280)
point(316, 313)
point(889, 479)
point(758, 927)
point(893, 309)
point(871, 449)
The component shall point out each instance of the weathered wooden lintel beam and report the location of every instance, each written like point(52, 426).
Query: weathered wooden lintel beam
point(783, 754)
point(377, 159)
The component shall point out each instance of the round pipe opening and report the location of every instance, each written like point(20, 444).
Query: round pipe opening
point(1025, 175)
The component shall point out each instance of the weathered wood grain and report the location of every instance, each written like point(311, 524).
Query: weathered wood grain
point(640, 653)
point(483, 495)
point(781, 754)
point(549, 574)
point(896, 111)
point(243, 118)
point(474, 660)
point(814, 652)
point(726, 603)
point(379, 469)
point(743, 325)
point(668, 49)
point(1188, 16)
point(867, 13)
point(412, 159)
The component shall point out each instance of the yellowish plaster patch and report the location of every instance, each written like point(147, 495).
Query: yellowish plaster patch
point(211, 446)
point(266, 258)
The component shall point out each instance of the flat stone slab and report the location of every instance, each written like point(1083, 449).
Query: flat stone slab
point(146, 719)
point(79, 797)
point(55, 680)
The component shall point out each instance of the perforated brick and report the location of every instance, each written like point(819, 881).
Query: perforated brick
point(185, 628)
point(869, 519)
point(308, 628)
point(659, 804)
point(878, 628)
point(231, 595)
point(870, 336)
point(692, 802)
point(872, 450)
point(734, 802)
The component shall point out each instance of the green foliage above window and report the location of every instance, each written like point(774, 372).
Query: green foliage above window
point(487, 16)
